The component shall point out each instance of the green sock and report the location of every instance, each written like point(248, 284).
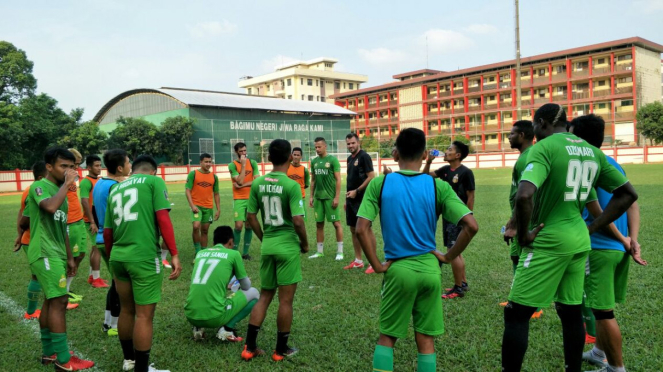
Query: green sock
point(46, 342)
point(60, 347)
point(246, 311)
point(426, 362)
point(248, 236)
point(197, 247)
point(588, 317)
point(237, 235)
point(383, 359)
point(514, 268)
point(34, 289)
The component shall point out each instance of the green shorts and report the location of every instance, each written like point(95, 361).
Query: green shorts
point(605, 284)
point(277, 270)
point(102, 253)
point(233, 305)
point(204, 215)
point(409, 294)
point(514, 249)
point(92, 238)
point(51, 273)
point(324, 211)
point(77, 238)
point(145, 277)
point(239, 207)
point(24, 248)
point(541, 278)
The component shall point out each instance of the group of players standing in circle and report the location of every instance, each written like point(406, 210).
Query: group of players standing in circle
point(127, 216)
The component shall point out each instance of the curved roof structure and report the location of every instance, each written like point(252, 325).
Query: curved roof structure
point(182, 98)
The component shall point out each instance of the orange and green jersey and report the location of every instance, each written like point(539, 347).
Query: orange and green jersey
point(25, 238)
point(203, 186)
point(75, 208)
point(250, 173)
point(300, 175)
point(86, 187)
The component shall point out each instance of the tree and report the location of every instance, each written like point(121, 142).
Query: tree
point(175, 134)
point(650, 121)
point(11, 137)
point(137, 136)
point(87, 138)
point(16, 79)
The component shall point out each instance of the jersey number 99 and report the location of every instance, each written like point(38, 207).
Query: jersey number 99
point(580, 178)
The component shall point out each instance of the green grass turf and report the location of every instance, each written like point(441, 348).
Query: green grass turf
point(336, 311)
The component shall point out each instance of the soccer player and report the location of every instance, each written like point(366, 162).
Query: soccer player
point(607, 274)
point(207, 305)
point(561, 169)
point(461, 180)
point(202, 192)
point(520, 138)
point(118, 167)
point(242, 171)
point(23, 240)
point(76, 228)
point(50, 255)
point(298, 172)
point(137, 214)
point(93, 164)
point(412, 203)
point(282, 208)
point(325, 196)
point(360, 173)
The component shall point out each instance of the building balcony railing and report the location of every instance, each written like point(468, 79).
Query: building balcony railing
point(474, 108)
point(505, 85)
point(624, 67)
point(623, 90)
point(541, 100)
point(393, 102)
point(600, 70)
point(371, 105)
point(490, 86)
point(560, 97)
point(489, 106)
point(580, 95)
point(445, 93)
point(445, 111)
point(541, 79)
point(578, 73)
point(601, 92)
point(559, 76)
point(628, 115)
point(431, 95)
point(490, 127)
point(474, 89)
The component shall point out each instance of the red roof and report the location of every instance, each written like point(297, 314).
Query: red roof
point(638, 41)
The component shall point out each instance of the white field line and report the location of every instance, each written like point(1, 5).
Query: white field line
point(12, 307)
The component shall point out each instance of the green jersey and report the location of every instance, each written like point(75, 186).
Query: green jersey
point(131, 209)
point(564, 169)
point(323, 170)
point(518, 169)
point(48, 231)
point(279, 199)
point(212, 271)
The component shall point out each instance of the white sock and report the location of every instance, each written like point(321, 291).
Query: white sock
point(113, 322)
point(339, 247)
point(359, 261)
point(321, 247)
point(90, 271)
point(164, 254)
point(107, 318)
point(598, 352)
point(96, 274)
point(69, 280)
point(616, 369)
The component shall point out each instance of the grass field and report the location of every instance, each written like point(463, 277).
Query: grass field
point(336, 312)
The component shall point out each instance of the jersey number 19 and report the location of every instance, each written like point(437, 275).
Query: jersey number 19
point(273, 210)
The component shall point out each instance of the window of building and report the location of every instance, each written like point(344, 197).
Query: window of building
point(601, 83)
point(323, 99)
point(624, 57)
point(542, 72)
point(627, 79)
point(310, 97)
point(302, 97)
point(344, 85)
point(627, 102)
point(249, 90)
point(491, 79)
point(505, 96)
point(289, 82)
point(561, 89)
point(492, 117)
point(600, 61)
point(491, 98)
point(290, 96)
point(337, 85)
point(309, 82)
point(524, 73)
point(582, 65)
point(542, 93)
point(328, 65)
point(301, 81)
point(352, 85)
point(561, 69)
point(317, 98)
point(269, 87)
point(602, 106)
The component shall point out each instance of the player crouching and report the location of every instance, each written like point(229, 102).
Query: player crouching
point(207, 305)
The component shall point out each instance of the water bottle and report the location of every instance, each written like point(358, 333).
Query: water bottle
point(435, 152)
point(235, 284)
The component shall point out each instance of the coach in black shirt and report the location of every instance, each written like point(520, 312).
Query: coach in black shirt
point(461, 180)
point(360, 173)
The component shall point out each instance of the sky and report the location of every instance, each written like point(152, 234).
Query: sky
point(85, 52)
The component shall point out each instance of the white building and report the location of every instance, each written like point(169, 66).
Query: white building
point(313, 80)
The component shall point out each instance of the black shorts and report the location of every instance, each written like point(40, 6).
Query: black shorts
point(351, 210)
point(450, 232)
